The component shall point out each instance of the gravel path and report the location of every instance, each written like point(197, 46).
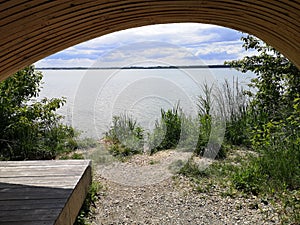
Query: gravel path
point(143, 190)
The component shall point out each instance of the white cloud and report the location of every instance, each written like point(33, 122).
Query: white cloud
point(219, 47)
point(207, 42)
point(80, 62)
point(177, 34)
point(149, 51)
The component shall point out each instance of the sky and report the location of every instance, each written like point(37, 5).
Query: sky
point(164, 44)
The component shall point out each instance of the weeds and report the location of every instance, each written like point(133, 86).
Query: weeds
point(170, 126)
point(190, 169)
point(73, 155)
point(87, 143)
point(236, 113)
point(125, 136)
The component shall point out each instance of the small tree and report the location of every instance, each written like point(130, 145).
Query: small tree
point(277, 81)
point(30, 129)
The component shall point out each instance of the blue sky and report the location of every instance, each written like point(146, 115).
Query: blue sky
point(175, 44)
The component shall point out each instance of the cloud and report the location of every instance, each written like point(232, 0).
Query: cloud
point(172, 43)
point(80, 62)
point(148, 53)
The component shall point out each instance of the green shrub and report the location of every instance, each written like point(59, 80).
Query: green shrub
point(280, 156)
point(278, 145)
point(31, 129)
point(249, 178)
point(155, 138)
point(190, 169)
point(204, 134)
point(170, 127)
point(125, 135)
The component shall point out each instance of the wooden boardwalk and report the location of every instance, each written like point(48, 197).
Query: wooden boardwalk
point(42, 192)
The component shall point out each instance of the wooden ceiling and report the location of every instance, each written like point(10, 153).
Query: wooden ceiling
point(32, 30)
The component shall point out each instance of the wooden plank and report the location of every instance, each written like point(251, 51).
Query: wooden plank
point(43, 192)
point(39, 179)
point(39, 163)
point(32, 204)
point(45, 222)
point(47, 183)
point(29, 214)
point(40, 173)
point(35, 194)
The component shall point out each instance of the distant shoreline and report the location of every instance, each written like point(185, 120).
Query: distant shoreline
point(136, 67)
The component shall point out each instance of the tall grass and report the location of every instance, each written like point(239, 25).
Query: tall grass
point(236, 104)
point(168, 130)
point(174, 130)
point(125, 135)
point(211, 123)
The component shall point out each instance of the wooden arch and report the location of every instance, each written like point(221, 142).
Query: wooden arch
point(32, 30)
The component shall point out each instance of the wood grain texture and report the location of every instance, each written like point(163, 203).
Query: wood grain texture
point(43, 192)
point(32, 30)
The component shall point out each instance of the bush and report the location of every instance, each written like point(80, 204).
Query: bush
point(31, 129)
point(169, 127)
point(190, 169)
point(249, 178)
point(278, 145)
point(125, 136)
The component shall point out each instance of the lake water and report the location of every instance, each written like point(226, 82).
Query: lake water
point(95, 96)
